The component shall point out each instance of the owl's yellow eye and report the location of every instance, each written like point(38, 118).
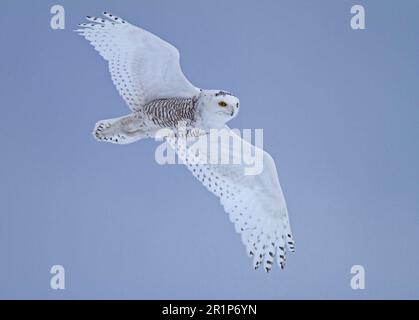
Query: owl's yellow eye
point(222, 104)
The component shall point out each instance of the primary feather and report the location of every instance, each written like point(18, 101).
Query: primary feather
point(254, 203)
point(143, 66)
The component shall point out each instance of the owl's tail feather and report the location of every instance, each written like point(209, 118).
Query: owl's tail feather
point(123, 130)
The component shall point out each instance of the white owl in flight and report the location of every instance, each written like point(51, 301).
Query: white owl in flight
point(147, 73)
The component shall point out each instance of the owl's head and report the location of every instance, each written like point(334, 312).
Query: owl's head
point(217, 107)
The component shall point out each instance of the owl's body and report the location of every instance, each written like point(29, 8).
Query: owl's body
point(146, 71)
point(166, 113)
point(146, 121)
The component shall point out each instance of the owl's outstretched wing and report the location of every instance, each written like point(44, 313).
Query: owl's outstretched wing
point(143, 66)
point(255, 203)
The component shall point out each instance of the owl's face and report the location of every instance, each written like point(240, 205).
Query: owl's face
point(218, 107)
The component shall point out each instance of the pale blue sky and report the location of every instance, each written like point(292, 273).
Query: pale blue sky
point(339, 109)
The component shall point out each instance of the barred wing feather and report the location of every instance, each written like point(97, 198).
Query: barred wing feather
point(143, 66)
point(254, 203)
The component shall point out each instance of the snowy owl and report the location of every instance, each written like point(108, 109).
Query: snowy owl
point(146, 71)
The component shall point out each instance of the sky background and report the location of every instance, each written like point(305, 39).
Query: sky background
point(340, 114)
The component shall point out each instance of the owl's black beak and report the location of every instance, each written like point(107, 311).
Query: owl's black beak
point(235, 110)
